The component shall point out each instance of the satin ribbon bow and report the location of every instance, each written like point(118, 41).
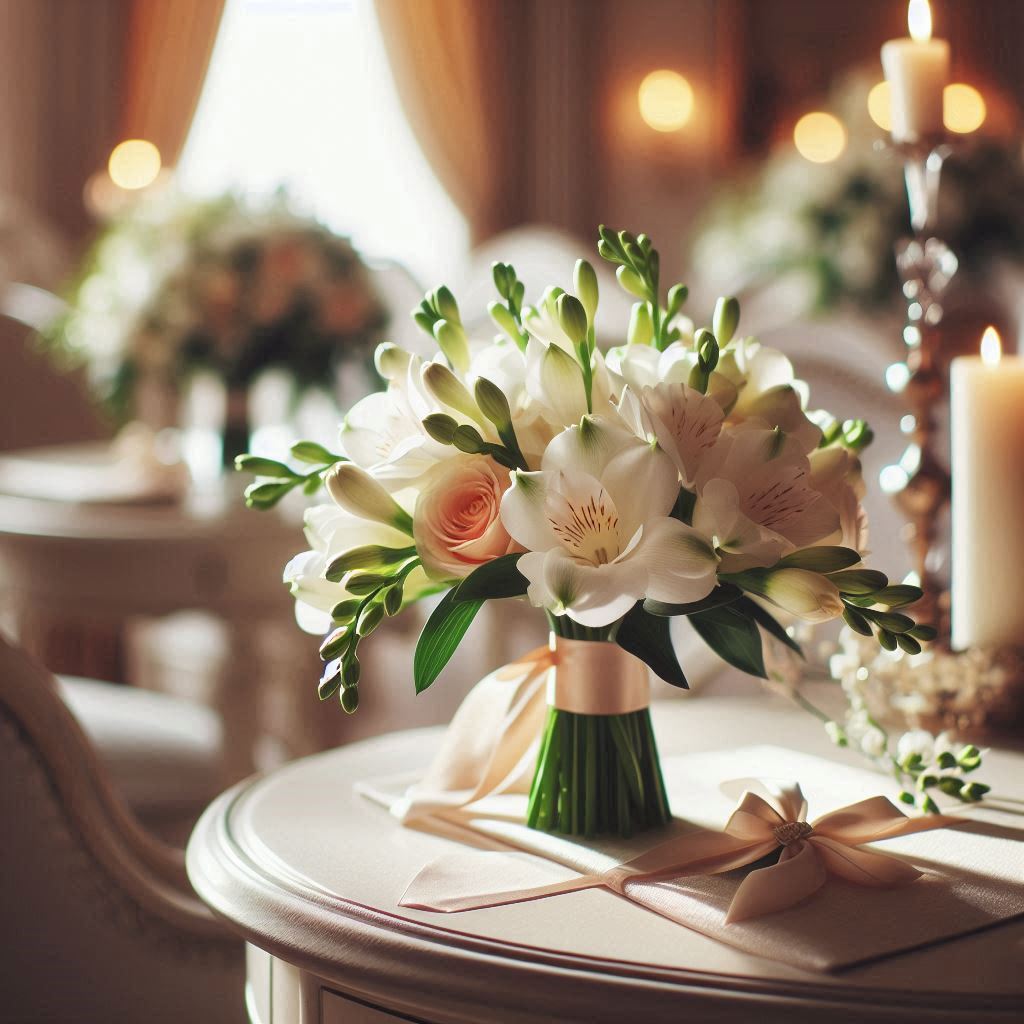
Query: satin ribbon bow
point(768, 816)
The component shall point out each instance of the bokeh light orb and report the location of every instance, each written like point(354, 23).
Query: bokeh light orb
point(819, 137)
point(665, 99)
point(134, 164)
point(963, 108)
point(880, 105)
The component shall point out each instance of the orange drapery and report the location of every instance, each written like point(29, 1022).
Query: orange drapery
point(168, 48)
point(455, 67)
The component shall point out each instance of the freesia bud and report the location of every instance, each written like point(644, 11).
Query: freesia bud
point(392, 361)
point(641, 330)
point(493, 403)
point(677, 295)
point(451, 339)
point(808, 595)
point(629, 280)
point(354, 490)
point(572, 317)
point(726, 319)
point(447, 389)
point(584, 280)
point(444, 302)
point(504, 319)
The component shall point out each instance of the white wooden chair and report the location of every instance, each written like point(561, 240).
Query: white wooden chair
point(98, 920)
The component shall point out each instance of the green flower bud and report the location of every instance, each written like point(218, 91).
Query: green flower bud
point(887, 640)
point(313, 453)
point(677, 295)
point(726, 319)
point(259, 466)
point(344, 611)
point(370, 619)
point(368, 556)
point(908, 644)
point(951, 785)
point(362, 584)
point(393, 599)
point(350, 672)
point(893, 621)
point(707, 350)
point(354, 490)
point(860, 581)
point(584, 280)
point(335, 642)
point(445, 304)
point(329, 681)
point(572, 317)
point(424, 320)
point(391, 361)
point(641, 329)
point(504, 320)
point(441, 427)
point(630, 280)
point(451, 340)
point(444, 386)
point(974, 791)
point(468, 440)
point(905, 798)
point(350, 699)
point(502, 279)
point(493, 404)
point(856, 621)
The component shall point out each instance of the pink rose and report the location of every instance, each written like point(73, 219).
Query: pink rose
point(457, 524)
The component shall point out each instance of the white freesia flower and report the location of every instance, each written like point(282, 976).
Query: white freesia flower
point(685, 423)
point(916, 741)
point(755, 499)
point(596, 527)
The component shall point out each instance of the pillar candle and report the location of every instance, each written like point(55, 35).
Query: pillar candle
point(987, 434)
point(917, 70)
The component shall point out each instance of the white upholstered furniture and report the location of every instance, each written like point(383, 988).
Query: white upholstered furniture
point(98, 922)
point(310, 874)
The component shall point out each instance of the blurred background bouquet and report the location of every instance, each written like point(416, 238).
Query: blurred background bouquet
point(177, 289)
point(822, 220)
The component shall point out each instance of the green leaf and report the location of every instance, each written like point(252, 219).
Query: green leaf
point(441, 635)
point(823, 559)
point(724, 593)
point(496, 579)
point(892, 621)
point(733, 636)
point(767, 622)
point(857, 622)
point(647, 637)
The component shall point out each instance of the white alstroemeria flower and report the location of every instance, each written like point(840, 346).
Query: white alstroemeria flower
point(769, 392)
point(595, 523)
point(685, 423)
point(755, 498)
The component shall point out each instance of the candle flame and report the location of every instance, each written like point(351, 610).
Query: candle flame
point(991, 347)
point(919, 20)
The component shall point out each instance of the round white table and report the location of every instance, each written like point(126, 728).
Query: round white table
point(78, 572)
point(310, 875)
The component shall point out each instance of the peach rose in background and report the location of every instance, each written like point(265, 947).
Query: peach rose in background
point(457, 524)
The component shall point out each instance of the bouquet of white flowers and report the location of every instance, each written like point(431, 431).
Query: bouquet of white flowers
point(678, 474)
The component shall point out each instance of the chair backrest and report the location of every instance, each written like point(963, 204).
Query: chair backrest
point(98, 918)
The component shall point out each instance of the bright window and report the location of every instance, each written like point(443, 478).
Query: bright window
point(299, 93)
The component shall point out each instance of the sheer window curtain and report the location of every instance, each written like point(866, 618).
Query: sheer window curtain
point(169, 45)
point(455, 66)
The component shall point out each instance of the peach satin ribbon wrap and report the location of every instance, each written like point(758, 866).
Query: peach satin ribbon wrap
point(491, 745)
point(768, 816)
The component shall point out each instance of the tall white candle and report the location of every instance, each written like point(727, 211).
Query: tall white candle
point(987, 430)
point(917, 70)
